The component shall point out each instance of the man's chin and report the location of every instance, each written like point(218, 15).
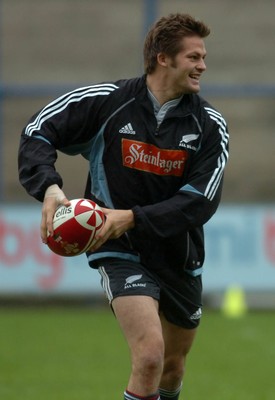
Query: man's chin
point(193, 90)
point(196, 88)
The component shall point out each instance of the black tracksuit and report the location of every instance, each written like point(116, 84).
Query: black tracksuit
point(169, 174)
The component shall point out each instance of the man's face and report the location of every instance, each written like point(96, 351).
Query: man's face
point(186, 68)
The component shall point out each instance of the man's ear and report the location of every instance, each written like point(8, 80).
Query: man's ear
point(162, 59)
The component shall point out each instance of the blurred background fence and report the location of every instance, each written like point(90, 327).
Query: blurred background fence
point(48, 48)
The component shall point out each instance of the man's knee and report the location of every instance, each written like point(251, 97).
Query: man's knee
point(173, 370)
point(148, 355)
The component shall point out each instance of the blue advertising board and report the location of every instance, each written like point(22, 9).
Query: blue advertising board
point(240, 250)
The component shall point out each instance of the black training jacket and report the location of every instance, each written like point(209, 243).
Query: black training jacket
point(169, 175)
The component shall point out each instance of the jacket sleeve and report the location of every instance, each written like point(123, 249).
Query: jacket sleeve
point(36, 161)
point(66, 124)
point(197, 200)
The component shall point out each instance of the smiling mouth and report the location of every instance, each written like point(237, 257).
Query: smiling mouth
point(195, 77)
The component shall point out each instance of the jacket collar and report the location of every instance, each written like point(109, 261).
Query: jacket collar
point(181, 110)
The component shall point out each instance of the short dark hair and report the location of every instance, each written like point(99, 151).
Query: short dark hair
point(166, 35)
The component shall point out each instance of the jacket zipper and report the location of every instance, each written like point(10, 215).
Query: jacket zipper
point(157, 129)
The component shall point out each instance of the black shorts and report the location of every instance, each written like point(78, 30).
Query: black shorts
point(179, 294)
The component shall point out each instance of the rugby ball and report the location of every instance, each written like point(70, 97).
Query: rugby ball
point(75, 227)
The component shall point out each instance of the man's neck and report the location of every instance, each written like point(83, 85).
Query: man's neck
point(160, 88)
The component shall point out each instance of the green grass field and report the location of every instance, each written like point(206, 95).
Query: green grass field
point(79, 354)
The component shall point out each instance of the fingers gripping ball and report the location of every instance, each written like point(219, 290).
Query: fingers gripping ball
point(75, 227)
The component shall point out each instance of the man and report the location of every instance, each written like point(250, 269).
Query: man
point(157, 153)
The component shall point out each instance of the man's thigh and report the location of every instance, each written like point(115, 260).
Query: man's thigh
point(138, 318)
point(178, 340)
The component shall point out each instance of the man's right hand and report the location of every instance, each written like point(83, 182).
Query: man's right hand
point(54, 197)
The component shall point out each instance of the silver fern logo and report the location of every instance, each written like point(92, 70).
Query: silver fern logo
point(133, 278)
point(130, 282)
point(186, 139)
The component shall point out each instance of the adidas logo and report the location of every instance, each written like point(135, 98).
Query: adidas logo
point(128, 129)
point(196, 314)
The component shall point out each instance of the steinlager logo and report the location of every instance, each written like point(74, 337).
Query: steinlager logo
point(149, 158)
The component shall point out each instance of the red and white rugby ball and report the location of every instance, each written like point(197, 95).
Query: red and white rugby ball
point(75, 227)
